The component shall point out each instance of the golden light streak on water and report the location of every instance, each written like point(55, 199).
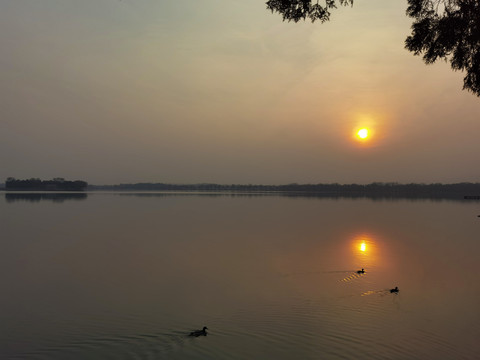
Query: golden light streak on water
point(364, 249)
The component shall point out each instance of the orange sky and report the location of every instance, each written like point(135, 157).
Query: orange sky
point(225, 92)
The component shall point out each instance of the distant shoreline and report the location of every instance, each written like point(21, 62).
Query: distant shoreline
point(458, 191)
point(468, 191)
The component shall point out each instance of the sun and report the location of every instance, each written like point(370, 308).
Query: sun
point(362, 133)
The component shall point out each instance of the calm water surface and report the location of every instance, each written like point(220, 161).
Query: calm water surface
point(124, 276)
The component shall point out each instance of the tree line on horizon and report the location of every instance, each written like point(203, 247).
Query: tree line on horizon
point(35, 184)
point(389, 189)
point(463, 190)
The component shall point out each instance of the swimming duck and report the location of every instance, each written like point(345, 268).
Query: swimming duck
point(361, 271)
point(199, 332)
point(394, 290)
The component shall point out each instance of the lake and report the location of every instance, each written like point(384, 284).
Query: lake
point(128, 276)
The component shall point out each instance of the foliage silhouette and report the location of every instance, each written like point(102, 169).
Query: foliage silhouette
point(297, 10)
point(448, 29)
point(35, 184)
point(442, 29)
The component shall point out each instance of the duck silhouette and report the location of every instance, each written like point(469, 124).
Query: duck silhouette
point(197, 333)
point(394, 290)
point(361, 271)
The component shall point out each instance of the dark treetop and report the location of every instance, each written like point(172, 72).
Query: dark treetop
point(442, 29)
point(57, 184)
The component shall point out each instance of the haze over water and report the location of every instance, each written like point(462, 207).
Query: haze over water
point(128, 276)
point(223, 91)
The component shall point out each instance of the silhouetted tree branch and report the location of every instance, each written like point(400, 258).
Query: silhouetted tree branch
point(297, 10)
point(442, 29)
point(449, 30)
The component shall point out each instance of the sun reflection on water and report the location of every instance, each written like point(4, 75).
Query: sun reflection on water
point(363, 246)
point(365, 250)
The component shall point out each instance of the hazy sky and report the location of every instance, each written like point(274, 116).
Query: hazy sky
point(115, 91)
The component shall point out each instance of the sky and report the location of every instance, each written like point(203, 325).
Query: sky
point(224, 91)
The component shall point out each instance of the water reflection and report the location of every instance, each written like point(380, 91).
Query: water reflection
point(365, 251)
point(129, 276)
point(37, 197)
point(297, 194)
point(368, 256)
point(354, 276)
point(380, 292)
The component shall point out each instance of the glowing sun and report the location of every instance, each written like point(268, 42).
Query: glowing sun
point(362, 133)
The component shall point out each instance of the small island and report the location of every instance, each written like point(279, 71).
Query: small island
point(34, 184)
